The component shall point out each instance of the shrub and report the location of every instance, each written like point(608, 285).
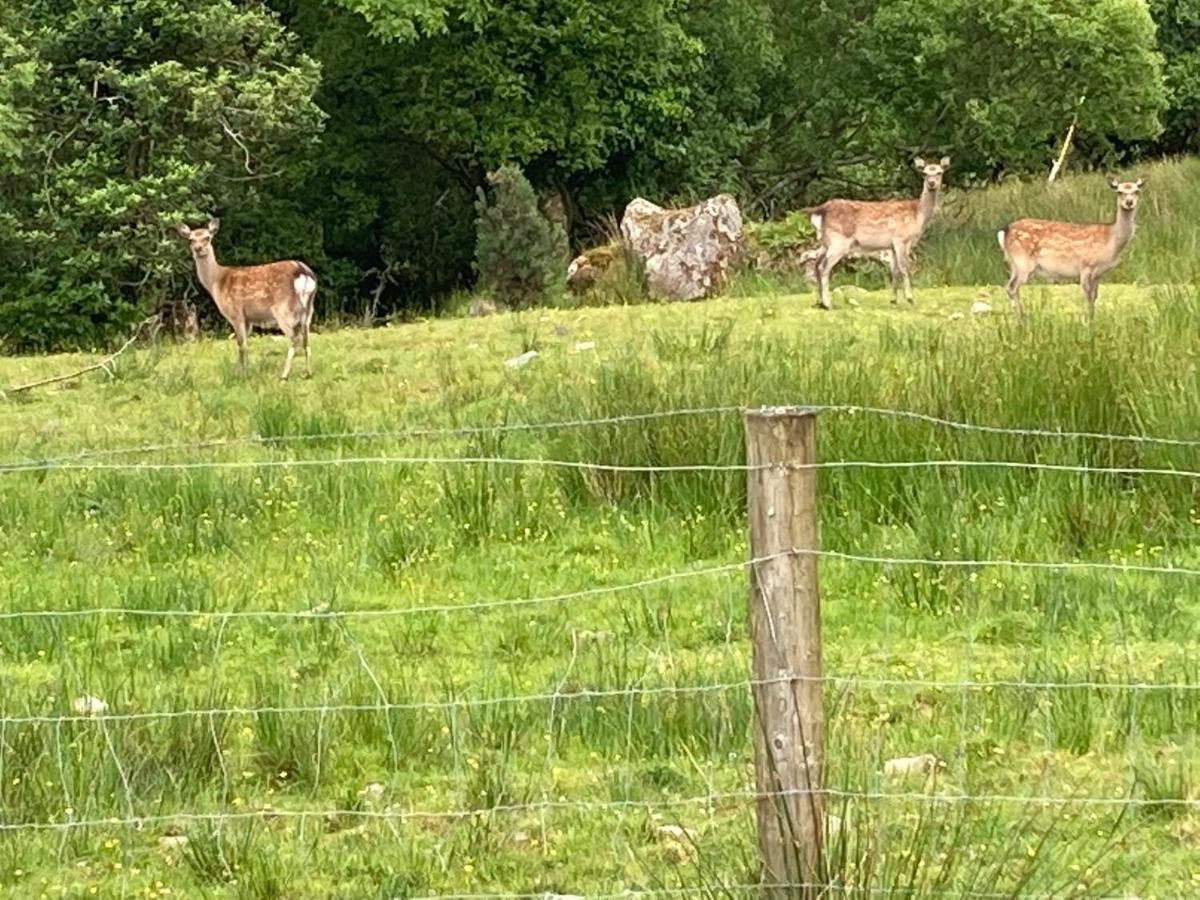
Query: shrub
point(518, 251)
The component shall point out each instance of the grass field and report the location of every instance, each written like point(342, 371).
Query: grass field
point(595, 777)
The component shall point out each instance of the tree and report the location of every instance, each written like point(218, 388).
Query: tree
point(1178, 24)
point(518, 251)
point(596, 100)
point(995, 83)
point(141, 113)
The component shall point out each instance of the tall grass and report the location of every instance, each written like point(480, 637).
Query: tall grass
point(593, 699)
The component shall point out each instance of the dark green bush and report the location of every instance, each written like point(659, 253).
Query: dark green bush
point(518, 251)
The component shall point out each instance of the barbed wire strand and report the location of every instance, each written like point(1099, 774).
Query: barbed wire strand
point(459, 703)
point(596, 806)
point(584, 465)
point(555, 425)
point(434, 609)
point(566, 597)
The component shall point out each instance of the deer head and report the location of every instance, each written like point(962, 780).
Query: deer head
point(932, 171)
point(199, 238)
point(1127, 191)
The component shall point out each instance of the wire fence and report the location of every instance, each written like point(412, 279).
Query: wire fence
point(100, 460)
point(733, 800)
point(450, 431)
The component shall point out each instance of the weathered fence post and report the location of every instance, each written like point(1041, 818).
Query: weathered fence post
point(785, 630)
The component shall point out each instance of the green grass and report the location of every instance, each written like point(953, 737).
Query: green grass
point(402, 537)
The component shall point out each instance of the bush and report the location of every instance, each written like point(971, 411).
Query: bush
point(518, 251)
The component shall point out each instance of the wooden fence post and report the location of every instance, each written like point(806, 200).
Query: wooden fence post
point(785, 630)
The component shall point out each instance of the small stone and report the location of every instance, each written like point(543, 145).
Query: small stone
point(87, 705)
point(520, 837)
point(910, 765)
point(172, 843)
point(517, 361)
point(675, 832)
point(561, 330)
point(587, 636)
point(979, 307)
point(678, 846)
point(373, 791)
point(581, 346)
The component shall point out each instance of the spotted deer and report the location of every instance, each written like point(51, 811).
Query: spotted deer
point(281, 291)
point(1069, 250)
point(894, 226)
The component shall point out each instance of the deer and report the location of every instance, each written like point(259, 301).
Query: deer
point(280, 291)
point(882, 225)
point(1067, 249)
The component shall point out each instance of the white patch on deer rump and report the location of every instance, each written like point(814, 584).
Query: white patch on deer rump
point(305, 286)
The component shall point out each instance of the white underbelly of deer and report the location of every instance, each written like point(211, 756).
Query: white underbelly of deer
point(1059, 266)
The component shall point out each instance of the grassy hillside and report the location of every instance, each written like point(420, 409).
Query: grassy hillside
point(436, 780)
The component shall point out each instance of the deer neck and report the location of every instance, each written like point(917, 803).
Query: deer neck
point(208, 270)
point(1122, 229)
point(925, 206)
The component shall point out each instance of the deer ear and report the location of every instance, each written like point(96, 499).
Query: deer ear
point(945, 163)
point(1142, 179)
point(1113, 183)
point(183, 230)
point(919, 162)
point(213, 225)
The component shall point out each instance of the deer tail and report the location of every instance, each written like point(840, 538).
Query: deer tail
point(305, 283)
point(1001, 235)
point(816, 215)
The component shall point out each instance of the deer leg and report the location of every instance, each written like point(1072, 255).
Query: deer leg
point(895, 274)
point(900, 270)
point(239, 331)
point(831, 257)
point(1015, 280)
point(1088, 282)
point(287, 362)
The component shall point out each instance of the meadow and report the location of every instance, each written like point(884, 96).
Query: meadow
point(330, 673)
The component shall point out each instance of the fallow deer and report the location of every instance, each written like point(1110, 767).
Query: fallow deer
point(282, 292)
point(888, 225)
point(1067, 249)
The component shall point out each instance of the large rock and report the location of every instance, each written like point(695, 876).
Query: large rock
point(686, 253)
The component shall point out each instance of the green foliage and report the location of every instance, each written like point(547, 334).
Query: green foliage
point(780, 235)
point(518, 250)
point(997, 81)
point(1178, 24)
point(139, 114)
point(995, 84)
point(595, 100)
